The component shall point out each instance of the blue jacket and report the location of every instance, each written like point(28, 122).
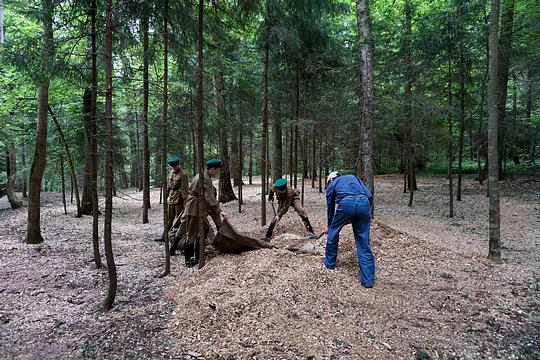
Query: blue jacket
point(342, 187)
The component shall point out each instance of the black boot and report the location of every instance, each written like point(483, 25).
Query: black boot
point(191, 254)
point(268, 235)
point(308, 226)
point(188, 254)
point(195, 258)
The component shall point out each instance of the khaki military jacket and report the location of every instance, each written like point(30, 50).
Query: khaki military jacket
point(212, 205)
point(178, 187)
point(284, 199)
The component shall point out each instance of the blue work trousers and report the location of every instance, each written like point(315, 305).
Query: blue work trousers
point(355, 211)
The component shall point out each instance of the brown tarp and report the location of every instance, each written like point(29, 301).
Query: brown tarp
point(228, 240)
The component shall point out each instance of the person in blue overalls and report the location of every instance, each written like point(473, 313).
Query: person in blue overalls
point(353, 201)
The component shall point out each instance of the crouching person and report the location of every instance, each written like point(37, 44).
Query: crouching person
point(187, 234)
point(353, 201)
point(287, 197)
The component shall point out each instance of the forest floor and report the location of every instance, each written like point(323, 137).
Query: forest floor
point(436, 295)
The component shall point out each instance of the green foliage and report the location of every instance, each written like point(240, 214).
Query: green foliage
point(313, 46)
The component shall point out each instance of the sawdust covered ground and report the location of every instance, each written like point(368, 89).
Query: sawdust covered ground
point(433, 298)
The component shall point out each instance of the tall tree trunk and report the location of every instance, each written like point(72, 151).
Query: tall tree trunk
point(234, 157)
point(297, 117)
point(265, 119)
point(93, 140)
point(366, 60)
point(63, 183)
point(278, 143)
point(450, 132)
point(480, 145)
point(33, 233)
point(326, 167)
point(200, 143)
point(71, 188)
point(144, 116)
point(268, 158)
point(193, 136)
point(513, 150)
point(250, 165)
point(24, 194)
point(408, 140)
point(493, 171)
point(304, 165)
point(240, 167)
point(136, 159)
point(528, 113)
point(226, 191)
point(320, 165)
point(70, 161)
point(164, 141)
point(86, 201)
point(109, 163)
point(291, 152)
point(462, 77)
point(313, 157)
point(11, 172)
point(503, 67)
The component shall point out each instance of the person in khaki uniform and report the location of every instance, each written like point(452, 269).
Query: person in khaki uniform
point(178, 190)
point(188, 231)
point(287, 197)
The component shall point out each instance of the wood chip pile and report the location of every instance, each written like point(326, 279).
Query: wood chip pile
point(280, 304)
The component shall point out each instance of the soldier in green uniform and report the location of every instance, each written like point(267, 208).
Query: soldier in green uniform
point(188, 232)
point(178, 190)
point(286, 196)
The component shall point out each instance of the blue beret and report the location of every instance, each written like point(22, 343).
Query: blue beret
point(213, 163)
point(173, 160)
point(281, 183)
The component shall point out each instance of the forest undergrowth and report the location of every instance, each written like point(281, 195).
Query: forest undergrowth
point(436, 295)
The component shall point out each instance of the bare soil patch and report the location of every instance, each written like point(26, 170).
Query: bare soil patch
point(433, 296)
